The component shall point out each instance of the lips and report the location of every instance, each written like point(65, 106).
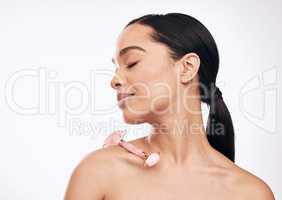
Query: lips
point(121, 96)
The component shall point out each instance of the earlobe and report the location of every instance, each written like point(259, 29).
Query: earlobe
point(186, 80)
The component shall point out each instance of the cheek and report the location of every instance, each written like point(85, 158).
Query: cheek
point(154, 86)
point(163, 92)
point(161, 98)
point(154, 97)
point(156, 103)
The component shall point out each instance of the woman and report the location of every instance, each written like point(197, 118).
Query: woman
point(166, 66)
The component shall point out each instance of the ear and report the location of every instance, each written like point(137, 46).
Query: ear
point(189, 67)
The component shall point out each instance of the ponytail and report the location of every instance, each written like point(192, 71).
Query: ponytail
point(220, 131)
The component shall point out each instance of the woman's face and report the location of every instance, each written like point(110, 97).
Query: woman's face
point(145, 69)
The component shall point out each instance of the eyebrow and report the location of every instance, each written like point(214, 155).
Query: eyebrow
point(126, 49)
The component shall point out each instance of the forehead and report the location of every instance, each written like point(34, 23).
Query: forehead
point(134, 35)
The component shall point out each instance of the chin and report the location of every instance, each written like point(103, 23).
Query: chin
point(132, 118)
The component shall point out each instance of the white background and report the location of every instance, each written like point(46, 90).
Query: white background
point(68, 40)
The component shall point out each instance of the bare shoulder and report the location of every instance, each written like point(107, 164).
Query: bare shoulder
point(243, 184)
point(89, 179)
point(251, 186)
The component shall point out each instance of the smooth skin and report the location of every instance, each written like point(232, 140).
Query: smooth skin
point(189, 167)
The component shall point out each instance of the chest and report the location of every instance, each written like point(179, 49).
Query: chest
point(170, 187)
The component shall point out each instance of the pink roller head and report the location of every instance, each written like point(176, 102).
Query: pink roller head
point(152, 159)
point(114, 138)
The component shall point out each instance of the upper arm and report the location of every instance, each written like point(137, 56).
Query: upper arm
point(263, 191)
point(88, 180)
point(252, 187)
point(259, 190)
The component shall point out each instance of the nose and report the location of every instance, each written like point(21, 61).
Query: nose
point(116, 82)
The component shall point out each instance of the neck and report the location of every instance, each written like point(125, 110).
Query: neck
point(180, 138)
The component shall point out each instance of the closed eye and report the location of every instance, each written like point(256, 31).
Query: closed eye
point(131, 65)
